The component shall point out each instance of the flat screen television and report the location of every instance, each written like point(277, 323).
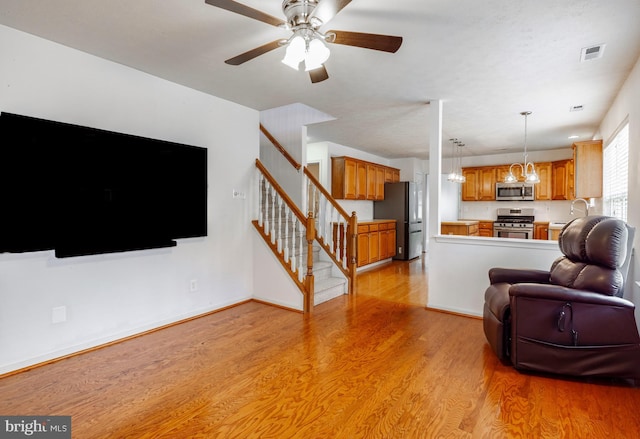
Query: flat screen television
point(80, 190)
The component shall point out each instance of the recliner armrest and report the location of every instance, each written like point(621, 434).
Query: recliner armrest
point(518, 275)
point(560, 293)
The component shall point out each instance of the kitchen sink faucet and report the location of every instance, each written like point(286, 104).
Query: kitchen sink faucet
point(586, 205)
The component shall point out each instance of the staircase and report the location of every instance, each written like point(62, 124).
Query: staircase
point(318, 249)
point(326, 285)
point(289, 242)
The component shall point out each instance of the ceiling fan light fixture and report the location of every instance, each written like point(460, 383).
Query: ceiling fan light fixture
point(295, 53)
point(316, 55)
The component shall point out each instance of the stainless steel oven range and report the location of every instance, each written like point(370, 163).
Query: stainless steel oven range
point(514, 223)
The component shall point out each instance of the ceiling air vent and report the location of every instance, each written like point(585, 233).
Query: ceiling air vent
point(576, 108)
point(592, 52)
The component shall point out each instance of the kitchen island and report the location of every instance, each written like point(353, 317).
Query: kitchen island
point(460, 227)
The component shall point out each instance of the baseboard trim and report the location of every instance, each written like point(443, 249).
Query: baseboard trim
point(122, 339)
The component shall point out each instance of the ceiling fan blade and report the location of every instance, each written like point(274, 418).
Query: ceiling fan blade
point(385, 43)
point(318, 75)
point(327, 9)
point(253, 53)
point(241, 9)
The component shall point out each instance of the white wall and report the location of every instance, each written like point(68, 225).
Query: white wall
point(111, 296)
point(459, 267)
point(626, 106)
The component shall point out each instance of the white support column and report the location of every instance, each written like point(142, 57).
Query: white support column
point(435, 165)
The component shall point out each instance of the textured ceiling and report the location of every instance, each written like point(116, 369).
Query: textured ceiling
point(487, 60)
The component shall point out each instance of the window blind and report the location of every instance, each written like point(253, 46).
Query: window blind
point(615, 175)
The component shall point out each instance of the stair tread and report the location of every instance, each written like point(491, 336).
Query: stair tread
point(329, 282)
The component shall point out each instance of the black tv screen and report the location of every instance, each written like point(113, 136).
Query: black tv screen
point(80, 190)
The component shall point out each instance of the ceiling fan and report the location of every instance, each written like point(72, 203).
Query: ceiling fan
point(307, 45)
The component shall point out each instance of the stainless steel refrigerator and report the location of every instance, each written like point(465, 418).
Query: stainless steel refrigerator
point(403, 203)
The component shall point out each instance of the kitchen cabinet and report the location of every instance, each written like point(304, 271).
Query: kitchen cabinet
point(485, 228)
point(380, 180)
point(391, 175)
point(375, 182)
point(363, 245)
point(361, 181)
point(480, 184)
point(376, 241)
point(556, 180)
point(587, 159)
point(543, 190)
point(554, 233)
point(344, 181)
point(562, 180)
point(463, 228)
point(353, 179)
point(387, 235)
point(541, 230)
point(503, 170)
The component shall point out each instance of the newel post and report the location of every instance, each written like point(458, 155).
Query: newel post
point(352, 246)
point(309, 281)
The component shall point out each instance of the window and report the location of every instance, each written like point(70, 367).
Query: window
point(616, 171)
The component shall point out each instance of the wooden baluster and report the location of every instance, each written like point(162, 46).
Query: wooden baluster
point(279, 237)
point(341, 239)
point(352, 236)
point(319, 216)
point(287, 212)
point(335, 230)
point(267, 190)
point(309, 281)
point(273, 215)
point(345, 247)
point(300, 253)
point(293, 244)
point(260, 198)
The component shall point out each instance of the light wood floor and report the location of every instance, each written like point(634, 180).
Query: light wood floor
point(377, 365)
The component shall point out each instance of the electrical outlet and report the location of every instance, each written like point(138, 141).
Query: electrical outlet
point(193, 285)
point(399, 250)
point(239, 194)
point(59, 314)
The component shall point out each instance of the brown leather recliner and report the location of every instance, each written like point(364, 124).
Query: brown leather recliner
point(572, 319)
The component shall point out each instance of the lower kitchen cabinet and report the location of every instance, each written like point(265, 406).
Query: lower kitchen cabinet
point(464, 228)
point(376, 241)
point(485, 228)
point(540, 230)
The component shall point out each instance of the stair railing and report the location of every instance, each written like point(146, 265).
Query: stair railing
point(327, 222)
point(336, 230)
point(287, 231)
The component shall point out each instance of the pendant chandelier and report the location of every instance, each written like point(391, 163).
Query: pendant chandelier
point(528, 168)
point(455, 175)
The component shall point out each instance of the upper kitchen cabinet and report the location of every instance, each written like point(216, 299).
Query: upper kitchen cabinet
point(391, 175)
point(480, 184)
point(543, 190)
point(563, 180)
point(344, 180)
point(587, 159)
point(375, 181)
point(353, 179)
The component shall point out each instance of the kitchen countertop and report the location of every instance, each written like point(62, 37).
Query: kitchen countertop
point(460, 223)
point(375, 221)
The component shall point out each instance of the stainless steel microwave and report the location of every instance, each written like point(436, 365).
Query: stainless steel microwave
point(515, 191)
